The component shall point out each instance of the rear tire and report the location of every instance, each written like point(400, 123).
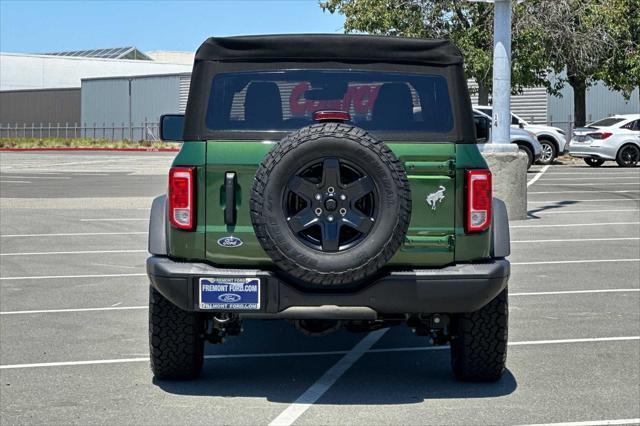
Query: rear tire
point(479, 342)
point(529, 153)
point(176, 342)
point(594, 162)
point(628, 156)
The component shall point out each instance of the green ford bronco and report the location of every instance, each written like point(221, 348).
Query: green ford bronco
point(333, 181)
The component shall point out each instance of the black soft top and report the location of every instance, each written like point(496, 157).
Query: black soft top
point(329, 47)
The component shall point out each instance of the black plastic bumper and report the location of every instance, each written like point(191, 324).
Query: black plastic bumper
point(457, 288)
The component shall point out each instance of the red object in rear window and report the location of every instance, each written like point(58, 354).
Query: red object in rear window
point(479, 198)
point(181, 203)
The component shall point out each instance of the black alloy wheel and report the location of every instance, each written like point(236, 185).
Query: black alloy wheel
point(331, 204)
point(628, 156)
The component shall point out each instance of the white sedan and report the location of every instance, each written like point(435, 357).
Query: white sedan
point(552, 139)
point(613, 138)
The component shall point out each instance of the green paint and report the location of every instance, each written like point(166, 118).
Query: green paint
point(435, 237)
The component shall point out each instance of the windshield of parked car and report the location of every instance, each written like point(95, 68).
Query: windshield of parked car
point(606, 122)
point(286, 100)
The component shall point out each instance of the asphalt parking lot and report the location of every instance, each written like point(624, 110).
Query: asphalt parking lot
point(73, 316)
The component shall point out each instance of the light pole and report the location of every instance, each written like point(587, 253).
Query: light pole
point(501, 76)
point(507, 164)
point(501, 120)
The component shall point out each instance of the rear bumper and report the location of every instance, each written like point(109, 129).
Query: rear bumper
point(588, 151)
point(457, 288)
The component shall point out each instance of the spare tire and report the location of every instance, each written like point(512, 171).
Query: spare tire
point(330, 204)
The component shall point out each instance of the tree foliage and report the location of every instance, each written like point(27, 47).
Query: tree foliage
point(587, 40)
point(468, 25)
point(579, 41)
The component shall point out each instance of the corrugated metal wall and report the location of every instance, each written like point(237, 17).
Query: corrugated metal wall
point(185, 84)
point(106, 100)
point(530, 105)
point(35, 107)
point(601, 102)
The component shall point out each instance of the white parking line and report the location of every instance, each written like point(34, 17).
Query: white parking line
point(591, 423)
point(596, 200)
point(601, 172)
point(589, 184)
point(545, 212)
point(115, 220)
point(537, 176)
point(636, 177)
point(560, 262)
point(311, 395)
point(53, 277)
point(574, 224)
point(57, 311)
point(586, 192)
point(9, 176)
point(73, 234)
point(576, 240)
point(44, 253)
point(549, 293)
point(319, 353)
point(14, 181)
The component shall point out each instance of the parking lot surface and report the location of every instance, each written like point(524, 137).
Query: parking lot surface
point(73, 316)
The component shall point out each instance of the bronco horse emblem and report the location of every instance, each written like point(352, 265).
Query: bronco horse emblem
point(436, 197)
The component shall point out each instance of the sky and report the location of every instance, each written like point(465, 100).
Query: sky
point(44, 26)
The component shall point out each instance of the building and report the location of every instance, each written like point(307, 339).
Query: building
point(38, 89)
point(133, 103)
point(535, 105)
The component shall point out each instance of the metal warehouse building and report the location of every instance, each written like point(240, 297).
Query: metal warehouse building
point(43, 91)
point(134, 103)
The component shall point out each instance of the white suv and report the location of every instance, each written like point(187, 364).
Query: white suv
point(552, 139)
point(613, 138)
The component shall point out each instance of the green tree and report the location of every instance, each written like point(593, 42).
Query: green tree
point(587, 40)
point(621, 70)
point(468, 25)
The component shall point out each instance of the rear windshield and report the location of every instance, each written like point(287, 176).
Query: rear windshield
point(286, 100)
point(606, 122)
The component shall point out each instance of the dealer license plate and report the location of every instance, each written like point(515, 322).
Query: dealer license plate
point(230, 293)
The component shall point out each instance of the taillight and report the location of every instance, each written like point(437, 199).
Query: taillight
point(181, 208)
point(599, 135)
point(479, 198)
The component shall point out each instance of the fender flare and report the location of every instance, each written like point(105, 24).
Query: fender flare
point(500, 239)
point(158, 227)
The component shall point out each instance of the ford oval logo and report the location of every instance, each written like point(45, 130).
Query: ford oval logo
point(229, 298)
point(230, 242)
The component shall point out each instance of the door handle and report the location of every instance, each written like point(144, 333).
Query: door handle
point(230, 213)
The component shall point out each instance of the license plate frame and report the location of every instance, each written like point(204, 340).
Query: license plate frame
point(229, 293)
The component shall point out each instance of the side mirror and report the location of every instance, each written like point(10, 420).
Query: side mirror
point(483, 127)
point(521, 125)
point(171, 127)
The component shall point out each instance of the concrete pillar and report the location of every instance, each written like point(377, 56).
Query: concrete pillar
point(509, 176)
point(508, 165)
